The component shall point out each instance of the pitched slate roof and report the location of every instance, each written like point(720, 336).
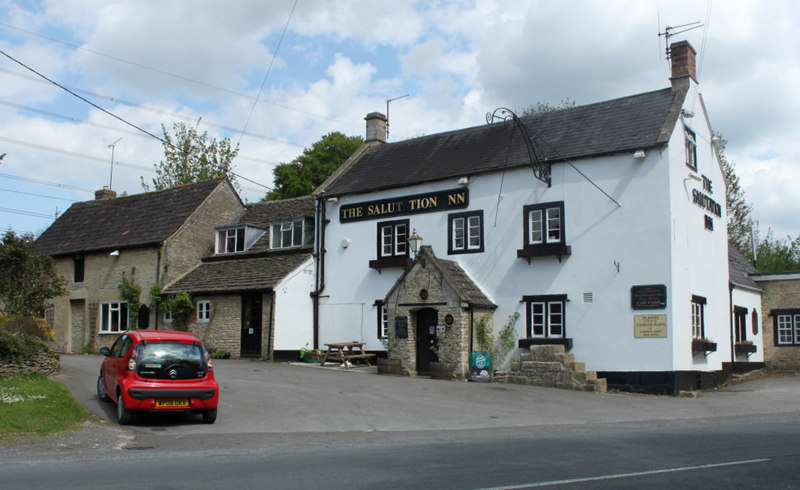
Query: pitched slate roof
point(739, 269)
point(627, 124)
point(123, 222)
point(453, 274)
point(257, 269)
point(230, 276)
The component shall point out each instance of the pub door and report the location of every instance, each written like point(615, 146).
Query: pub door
point(427, 319)
point(251, 325)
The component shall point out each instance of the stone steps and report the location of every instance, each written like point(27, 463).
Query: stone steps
point(551, 366)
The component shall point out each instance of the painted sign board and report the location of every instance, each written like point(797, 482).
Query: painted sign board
point(649, 297)
point(650, 326)
point(405, 205)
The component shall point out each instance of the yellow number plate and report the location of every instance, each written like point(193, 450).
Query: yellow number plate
point(172, 403)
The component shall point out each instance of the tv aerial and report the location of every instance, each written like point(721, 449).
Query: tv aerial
point(670, 31)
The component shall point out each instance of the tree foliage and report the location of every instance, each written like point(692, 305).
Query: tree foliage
point(544, 107)
point(306, 172)
point(741, 225)
point(777, 255)
point(190, 156)
point(27, 281)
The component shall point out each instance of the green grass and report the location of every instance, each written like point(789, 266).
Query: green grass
point(31, 404)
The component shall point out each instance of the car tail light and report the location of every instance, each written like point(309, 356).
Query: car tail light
point(210, 366)
point(133, 362)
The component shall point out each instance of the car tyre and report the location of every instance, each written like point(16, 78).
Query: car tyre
point(124, 416)
point(101, 390)
point(210, 416)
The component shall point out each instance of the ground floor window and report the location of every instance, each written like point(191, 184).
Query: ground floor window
point(203, 311)
point(545, 316)
point(698, 317)
point(383, 320)
point(787, 327)
point(113, 317)
point(740, 323)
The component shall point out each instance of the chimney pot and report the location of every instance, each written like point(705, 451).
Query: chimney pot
point(682, 56)
point(376, 127)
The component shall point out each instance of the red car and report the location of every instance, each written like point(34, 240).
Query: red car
point(156, 370)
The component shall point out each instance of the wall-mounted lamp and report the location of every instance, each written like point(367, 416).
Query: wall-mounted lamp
point(639, 155)
point(716, 141)
point(345, 242)
point(114, 253)
point(463, 180)
point(687, 113)
point(414, 241)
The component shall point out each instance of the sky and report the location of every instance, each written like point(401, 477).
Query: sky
point(276, 76)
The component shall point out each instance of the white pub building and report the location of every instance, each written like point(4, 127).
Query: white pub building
point(600, 228)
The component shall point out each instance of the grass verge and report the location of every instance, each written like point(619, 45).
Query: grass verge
point(31, 404)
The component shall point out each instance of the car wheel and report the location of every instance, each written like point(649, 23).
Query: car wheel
point(124, 416)
point(101, 390)
point(210, 416)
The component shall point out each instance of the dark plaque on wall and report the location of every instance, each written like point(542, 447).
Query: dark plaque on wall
point(649, 297)
point(401, 327)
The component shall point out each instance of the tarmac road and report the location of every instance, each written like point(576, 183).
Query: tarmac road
point(292, 403)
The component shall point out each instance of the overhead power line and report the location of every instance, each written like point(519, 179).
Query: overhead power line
point(28, 213)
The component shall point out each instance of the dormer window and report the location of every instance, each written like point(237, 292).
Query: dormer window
point(230, 240)
point(233, 239)
point(290, 234)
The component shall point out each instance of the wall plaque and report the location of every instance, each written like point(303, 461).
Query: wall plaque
point(650, 326)
point(401, 327)
point(649, 297)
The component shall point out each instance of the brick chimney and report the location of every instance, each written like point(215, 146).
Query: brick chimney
point(104, 193)
point(376, 127)
point(682, 56)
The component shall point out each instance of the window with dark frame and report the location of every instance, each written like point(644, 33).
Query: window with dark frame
point(740, 324)
point(465, 232)
point(544, 230)
point(545, 316)
point(691, 148)
point(78, 274)
point(698, 317)
point(787, 327)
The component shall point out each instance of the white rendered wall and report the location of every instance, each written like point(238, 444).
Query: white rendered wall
point(750, 299)
point(294, 316)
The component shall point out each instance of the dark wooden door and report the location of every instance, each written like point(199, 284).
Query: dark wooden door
point(251, 325)
point(427, 319)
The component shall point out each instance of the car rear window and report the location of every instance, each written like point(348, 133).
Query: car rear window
point(171, 360)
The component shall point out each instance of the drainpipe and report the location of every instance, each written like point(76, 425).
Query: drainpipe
point(271, 320)
point(319, 259)
point(158, 281)
point(471, 329)
point(730, 313)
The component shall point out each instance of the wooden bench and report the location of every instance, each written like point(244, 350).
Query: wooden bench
point(345, 352)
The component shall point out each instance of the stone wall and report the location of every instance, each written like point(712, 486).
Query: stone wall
point(47, 363)
point(779, 295)
point(550, 366)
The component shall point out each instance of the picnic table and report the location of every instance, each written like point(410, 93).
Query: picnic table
point(345, 352)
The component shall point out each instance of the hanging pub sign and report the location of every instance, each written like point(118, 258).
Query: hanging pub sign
point(405, 205)
point(649, 297)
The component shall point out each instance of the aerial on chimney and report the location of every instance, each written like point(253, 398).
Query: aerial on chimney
point(682, 57)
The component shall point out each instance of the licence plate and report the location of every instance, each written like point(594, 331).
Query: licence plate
point(169, 403)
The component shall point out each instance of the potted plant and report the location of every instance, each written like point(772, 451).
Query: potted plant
point(745, 347)
point(389, 364)
point(441, 369)
point(703, 345)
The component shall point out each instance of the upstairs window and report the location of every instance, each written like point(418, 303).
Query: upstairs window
point(393, 239)
point(78, 273)
point(544, 231)
point(231, 240)
point(691, 148)
point(290, 234)
point(465, 232)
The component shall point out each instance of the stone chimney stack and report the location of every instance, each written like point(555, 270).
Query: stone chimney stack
point(376, 127)
point(682, 56)
point(104, 193)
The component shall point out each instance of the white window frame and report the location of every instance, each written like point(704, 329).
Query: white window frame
point(466, 232)
point(547, 319)
point(111, 309)
point(203, 311)
point(691, 148)
point(287, 234)
point(167, 317)
point(787, 328)
point(231, 236)
point(544, 224)
point(384, 321)
point(698, 317)
point(393, 238)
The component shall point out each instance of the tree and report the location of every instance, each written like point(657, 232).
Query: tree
point(191, 157)
point(306, 172)
point(27, 281)
point(774, 255)
point(741, 226)
point(544, 107)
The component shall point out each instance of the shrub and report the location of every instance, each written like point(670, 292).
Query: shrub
point(16, 345)
point(28, 326)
